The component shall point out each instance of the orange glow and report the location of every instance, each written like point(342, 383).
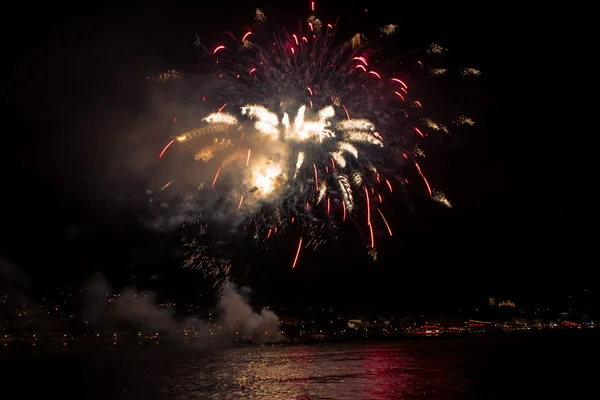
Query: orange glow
point(246, 36)
point(376, 74)
point(297, 254)
point(385, 221)
point(165, 149)
point(400, 82)
point(425, 179)
point(345, 109)
point(216, 176)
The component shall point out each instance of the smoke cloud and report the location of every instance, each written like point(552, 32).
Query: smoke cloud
point(132, 308)
point(15, 295)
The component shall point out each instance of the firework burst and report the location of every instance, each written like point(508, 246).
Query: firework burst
point(304, 133)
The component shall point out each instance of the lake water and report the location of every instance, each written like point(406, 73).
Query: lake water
point(505, 367)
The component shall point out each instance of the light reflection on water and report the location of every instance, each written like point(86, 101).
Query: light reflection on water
point(297, 372)
point(506, 367)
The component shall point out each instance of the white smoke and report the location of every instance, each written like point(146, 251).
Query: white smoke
point(135, 309)
point(238, 316)
point(15, 293)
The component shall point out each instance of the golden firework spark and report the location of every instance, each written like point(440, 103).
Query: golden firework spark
point(470, 71)
point(441, 198)
point(436, 49)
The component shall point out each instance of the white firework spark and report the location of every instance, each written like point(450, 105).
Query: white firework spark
point(389, 29)
point(438, 71)
point(470, 71)
point(436, 49)
point(287, 149)
point(441, 198)
point(462, 120)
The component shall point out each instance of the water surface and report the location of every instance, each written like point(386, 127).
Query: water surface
point(504, 367)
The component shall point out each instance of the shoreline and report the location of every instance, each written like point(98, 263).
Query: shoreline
point(75, 344)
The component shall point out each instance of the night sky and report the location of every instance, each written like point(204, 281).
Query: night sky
point(77, 90)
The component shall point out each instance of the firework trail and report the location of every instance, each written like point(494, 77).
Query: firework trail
point(305, 133)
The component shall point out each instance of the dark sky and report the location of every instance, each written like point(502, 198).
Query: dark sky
point(71, 203)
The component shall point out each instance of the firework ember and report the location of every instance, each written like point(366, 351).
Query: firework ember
point(305, 132)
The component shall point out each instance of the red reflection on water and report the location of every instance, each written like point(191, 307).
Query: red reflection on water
point(387, 369)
